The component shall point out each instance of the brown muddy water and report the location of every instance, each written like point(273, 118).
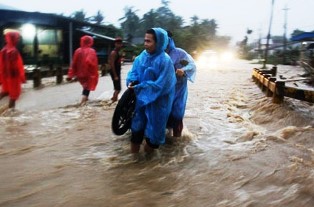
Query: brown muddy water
point(237, 149)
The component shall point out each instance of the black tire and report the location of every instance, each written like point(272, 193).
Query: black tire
point(123, 113)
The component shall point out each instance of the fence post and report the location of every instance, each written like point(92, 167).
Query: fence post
point(278, 96)
point(274, 71)
point(36, 78)
point(269, 93)
point(59, 75)
point(264, 87)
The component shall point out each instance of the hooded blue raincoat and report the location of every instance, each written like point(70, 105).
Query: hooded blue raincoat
point(155, 91)
point(181, 94)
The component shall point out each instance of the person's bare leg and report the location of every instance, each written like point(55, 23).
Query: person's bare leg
point(8, 109)
point(177, 131)
point(148, 149)
point(135, 148)
point(12, 104)
point(84, 100)
point(115, 96)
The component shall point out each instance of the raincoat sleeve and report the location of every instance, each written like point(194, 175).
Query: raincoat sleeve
point(190, 68)
point(157, 81)
point(70, 74)
point(133, 74)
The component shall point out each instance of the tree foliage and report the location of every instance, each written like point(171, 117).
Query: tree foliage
point(79, 15)
point(201, 34)
point(130, 23)
point(98, 18)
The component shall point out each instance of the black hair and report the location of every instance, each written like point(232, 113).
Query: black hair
point(152, 31)
point(169, 33)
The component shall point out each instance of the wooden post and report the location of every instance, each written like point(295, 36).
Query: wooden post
point(36, 78)
point(274, 71)
point(260, 80)
point(269, 93)
point(278, 96)
point(59, 75)
point(264, 87)
point(254, 75)
point(103, 69)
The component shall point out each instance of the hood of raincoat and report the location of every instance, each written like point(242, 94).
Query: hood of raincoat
point(86, 41)
point(12, 38)
point(162, 40)
point(171, 44)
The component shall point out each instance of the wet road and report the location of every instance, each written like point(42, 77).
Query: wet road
point(237, 149)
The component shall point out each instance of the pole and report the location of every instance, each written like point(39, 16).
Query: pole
point(268, 35)
point(285, 37)
point(70, 41)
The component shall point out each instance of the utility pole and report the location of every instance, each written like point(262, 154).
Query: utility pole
point(285, 36)
point(268, 35)
point(260, 51)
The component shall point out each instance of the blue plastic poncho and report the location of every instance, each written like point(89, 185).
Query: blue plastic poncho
point(155, 91)
point(181, 94)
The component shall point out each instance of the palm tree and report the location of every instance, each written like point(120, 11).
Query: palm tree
point(98, 18)
point(79, 15)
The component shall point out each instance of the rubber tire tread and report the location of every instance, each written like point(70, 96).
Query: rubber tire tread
point(123, 113)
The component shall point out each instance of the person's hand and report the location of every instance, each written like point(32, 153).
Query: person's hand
point(116, 78)
point(180, 72)
point(130, 86)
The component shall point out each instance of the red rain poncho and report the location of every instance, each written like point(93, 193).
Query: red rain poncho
point(11, 67)
point(85, 64)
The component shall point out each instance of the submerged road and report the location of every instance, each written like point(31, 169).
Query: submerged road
point(238, 149)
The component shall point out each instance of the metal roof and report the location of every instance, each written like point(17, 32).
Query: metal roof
point(44, 19)
point(305, 36)
point(96, 35)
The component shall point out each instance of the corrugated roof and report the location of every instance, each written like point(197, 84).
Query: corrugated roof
point(96, 34)
point(306, 36)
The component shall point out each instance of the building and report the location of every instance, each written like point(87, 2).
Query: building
point(50, 39)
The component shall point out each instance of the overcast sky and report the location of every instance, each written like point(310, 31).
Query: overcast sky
point(234, 17)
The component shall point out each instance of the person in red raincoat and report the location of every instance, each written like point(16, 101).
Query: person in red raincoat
point(85, 67)
point(12, 73)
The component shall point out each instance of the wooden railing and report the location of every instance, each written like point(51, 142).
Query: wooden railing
point(267, 81)
point(37, 74)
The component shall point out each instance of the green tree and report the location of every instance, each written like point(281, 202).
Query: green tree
point(79, 15)
point(161, 17)
point(200, 35)
point(244, 47)
point(166, 18)
point(194, 20)
point(98, 18)
point(130, 23)
point(149, 20)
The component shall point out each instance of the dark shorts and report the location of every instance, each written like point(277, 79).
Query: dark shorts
point(116, 83)
point(85, 92)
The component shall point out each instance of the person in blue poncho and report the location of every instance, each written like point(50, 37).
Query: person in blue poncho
point(185, 69)
point(154, 72)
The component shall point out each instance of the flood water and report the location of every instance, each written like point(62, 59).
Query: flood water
point(237, 149)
